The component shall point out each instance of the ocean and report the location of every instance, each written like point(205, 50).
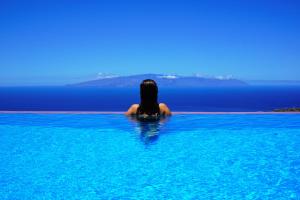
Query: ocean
point(249, 98)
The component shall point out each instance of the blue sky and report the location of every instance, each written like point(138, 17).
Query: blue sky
point(58, 42)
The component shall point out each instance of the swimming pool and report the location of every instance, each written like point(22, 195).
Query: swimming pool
point(94, 156)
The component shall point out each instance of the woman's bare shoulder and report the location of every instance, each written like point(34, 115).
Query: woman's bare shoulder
point(132, 110)
point(164, 109)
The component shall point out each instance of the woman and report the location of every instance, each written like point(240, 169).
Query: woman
point(149, 107)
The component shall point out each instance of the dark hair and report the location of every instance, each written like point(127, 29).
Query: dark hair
point(148, 94)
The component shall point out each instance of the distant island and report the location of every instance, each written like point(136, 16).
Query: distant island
point(274, 82)
point(287, 110)
point(162, 81)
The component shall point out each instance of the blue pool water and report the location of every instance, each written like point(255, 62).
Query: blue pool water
point(72, 156)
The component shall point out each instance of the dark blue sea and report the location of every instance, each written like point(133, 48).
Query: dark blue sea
point(249, 98)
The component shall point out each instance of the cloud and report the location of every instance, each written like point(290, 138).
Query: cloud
point(227, 77)
point(199, 75)
point(168, 76)
point(101, 75)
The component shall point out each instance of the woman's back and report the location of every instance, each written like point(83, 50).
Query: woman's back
point(149, 105)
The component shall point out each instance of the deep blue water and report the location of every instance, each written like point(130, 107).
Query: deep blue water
point(252, 98)
point(73, 156)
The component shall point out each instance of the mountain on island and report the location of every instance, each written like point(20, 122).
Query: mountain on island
point(162, 81)
point(274, 82)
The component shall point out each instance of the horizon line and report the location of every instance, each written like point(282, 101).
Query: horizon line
point(250, 82)
point(123, 112)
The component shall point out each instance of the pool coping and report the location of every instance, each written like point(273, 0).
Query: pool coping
point(123, 112)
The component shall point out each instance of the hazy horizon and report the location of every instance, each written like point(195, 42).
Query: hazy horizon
point(49, 81)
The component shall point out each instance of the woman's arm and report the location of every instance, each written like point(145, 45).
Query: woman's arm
point(164, 109)
point(132, 110)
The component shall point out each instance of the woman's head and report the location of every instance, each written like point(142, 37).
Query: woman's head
point(148, 90)
point(148, 94)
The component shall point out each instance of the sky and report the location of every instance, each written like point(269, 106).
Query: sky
point(60, 42)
